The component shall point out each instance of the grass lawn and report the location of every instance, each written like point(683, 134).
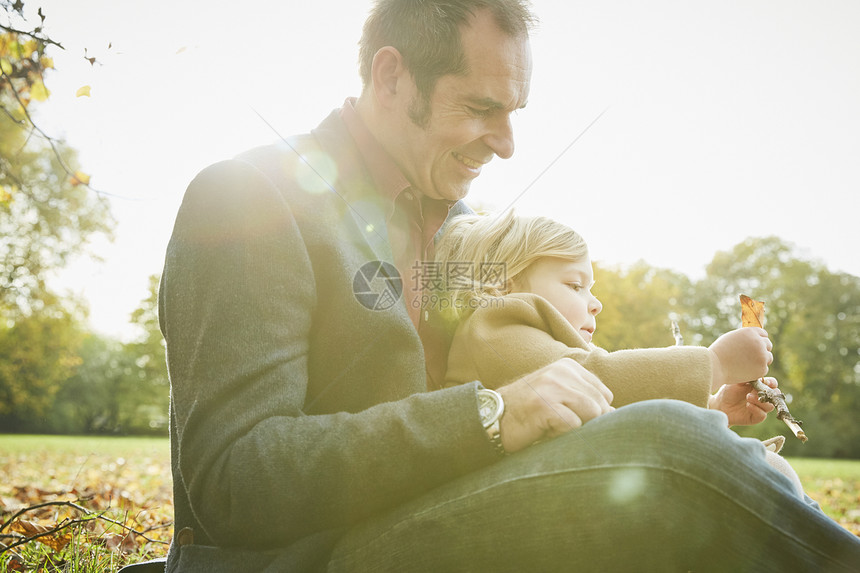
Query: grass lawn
point(835, 485)
point(123, 484)
point(101, 488)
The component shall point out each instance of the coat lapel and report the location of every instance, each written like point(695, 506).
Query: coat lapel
point(354, 187)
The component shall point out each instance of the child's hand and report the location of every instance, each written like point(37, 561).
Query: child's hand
point(740, 403)
point(741, 355)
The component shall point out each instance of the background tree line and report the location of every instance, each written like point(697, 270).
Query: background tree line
point(57, 377)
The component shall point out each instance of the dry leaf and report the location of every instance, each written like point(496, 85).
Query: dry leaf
point(9, 505)
point(56, 541)
point(83, 91)
point(79, 178)
point(752, 312)
point(124, 544)
point(28, 528)
point(39, 92)
point(14, 564)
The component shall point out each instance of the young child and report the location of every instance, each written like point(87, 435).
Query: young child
point(540, 308)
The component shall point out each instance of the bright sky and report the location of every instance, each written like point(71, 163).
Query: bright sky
point(715, 111)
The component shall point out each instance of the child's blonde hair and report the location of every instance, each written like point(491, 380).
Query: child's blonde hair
point(485, 241)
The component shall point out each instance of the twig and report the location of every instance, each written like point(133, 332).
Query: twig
point(777, 398)
point(22, 511)
point(88, 516)
point(33, 35)
point(676, 333)
point(11, 116)
point(57, 529)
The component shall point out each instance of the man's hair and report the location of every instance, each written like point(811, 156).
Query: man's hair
point(482, 242)
point(427, 35)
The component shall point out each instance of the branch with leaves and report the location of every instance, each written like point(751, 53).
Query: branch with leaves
point(23, 63)
point(23, 60)
point(17, 7)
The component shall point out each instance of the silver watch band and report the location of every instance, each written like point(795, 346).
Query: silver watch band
point(492, 408)
point(495, 434)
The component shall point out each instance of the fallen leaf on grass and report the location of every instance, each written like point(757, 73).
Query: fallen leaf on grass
point(125, 544)
point(14, 564)
point(56, 541)
point(9, 505)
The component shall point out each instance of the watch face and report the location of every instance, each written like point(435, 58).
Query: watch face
point(489, 406)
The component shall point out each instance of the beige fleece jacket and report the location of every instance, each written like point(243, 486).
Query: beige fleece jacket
point(517, 334)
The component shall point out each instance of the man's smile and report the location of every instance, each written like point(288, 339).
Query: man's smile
point(467, 161)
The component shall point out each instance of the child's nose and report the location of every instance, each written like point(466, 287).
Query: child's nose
point(595, 307)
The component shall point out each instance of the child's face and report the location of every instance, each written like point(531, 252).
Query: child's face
point(567, 286)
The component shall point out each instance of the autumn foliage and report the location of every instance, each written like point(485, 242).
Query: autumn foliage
point(23, 60)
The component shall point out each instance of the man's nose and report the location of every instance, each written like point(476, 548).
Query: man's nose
point(500, 137)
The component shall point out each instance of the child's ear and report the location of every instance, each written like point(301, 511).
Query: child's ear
point(513, 284)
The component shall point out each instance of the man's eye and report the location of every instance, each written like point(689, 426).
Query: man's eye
point(479, 111)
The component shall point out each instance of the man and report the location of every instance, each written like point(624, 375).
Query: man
point(303, 434)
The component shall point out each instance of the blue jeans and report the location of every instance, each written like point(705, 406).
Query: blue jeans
point(654, 486)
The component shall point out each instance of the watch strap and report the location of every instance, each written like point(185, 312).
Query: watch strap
point(495, 434)
point(492, 425)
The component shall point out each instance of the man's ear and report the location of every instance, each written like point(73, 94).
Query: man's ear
point(388, 73)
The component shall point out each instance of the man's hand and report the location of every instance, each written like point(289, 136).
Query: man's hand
point(740, 403)
point(550, 402)
point(740, 356)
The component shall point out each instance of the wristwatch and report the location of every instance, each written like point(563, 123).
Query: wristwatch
point(492, 407)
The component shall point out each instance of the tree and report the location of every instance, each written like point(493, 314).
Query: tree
point(23, 61)
point(639, 304)
point(47, 213)
point(149, 348)
point(150, 358)
point(118, 388)
point(107, 394)
point(91, 397)
point(45, 219)
point(37, 354)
